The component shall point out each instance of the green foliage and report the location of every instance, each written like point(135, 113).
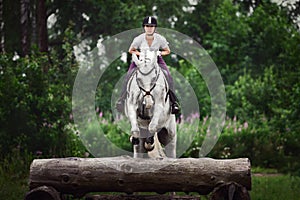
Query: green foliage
point(228, 41)
point(258, 142)
point(275, 187)
point(35, 106)
point(257, 53)
point(241, 40)
point(107, 84)
point(93, 137)
point(14, 171)
point(194, 78)
point(249, 98)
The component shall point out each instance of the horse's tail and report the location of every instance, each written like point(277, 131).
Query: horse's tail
point(158, 151)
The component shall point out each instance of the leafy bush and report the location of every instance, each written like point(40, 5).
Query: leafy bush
point(35, 104)
point(259, 143)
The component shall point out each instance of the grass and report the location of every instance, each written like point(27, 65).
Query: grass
point(259, 170)
point(14, 173)
point(275, 187)
point(12, 187)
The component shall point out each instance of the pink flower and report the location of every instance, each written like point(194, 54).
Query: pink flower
point(234, 118)
point(246, 125)
point(204, 120)
point(38, 153)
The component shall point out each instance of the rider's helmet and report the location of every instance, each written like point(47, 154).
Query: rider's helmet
point(150, 21)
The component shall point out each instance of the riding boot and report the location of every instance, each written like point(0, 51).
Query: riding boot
point(175, 108)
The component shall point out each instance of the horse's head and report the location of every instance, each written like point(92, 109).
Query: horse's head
point(146, 60)
point(147, 74)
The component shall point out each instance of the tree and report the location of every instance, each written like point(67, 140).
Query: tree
point(194, 19)
point(2, 50)
point(25, 26)
point(42, 26)
point(12, 28)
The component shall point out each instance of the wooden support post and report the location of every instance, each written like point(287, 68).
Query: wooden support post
point(43, 193)
point(79, 176)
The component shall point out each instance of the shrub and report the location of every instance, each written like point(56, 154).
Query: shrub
point(35, 104)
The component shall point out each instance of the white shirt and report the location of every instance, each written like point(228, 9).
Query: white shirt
point(140, 42)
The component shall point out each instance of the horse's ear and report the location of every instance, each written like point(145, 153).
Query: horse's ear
point(135, 59)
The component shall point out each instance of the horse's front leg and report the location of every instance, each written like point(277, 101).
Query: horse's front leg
point(171, 137)
point(154, 124)
point(135, 133)
point(135, 138)
point(131, 113)
point(138, 147)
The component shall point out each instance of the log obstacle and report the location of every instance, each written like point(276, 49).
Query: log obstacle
point(80, 176)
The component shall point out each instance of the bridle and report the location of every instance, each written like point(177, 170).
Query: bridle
point(145, 74)
point(142, 114)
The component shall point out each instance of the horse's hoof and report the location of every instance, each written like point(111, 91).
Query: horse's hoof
point(134, 140)
point(149, 146)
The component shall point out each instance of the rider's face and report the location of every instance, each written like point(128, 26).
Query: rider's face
point(149, 29)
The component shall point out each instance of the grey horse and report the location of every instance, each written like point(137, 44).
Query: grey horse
point(147, 107)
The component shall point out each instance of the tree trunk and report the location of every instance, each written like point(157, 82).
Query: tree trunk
point(42, 26)
point(12, 27)
point(25, 10)
point(2, 50)
point(33, 16)
point(79, 176)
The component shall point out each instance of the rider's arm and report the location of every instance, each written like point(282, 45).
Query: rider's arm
point(133, 50)
point(165, 51)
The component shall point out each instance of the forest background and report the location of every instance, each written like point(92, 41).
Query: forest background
point(255, 45)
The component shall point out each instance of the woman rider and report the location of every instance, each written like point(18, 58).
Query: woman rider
point(154, 42)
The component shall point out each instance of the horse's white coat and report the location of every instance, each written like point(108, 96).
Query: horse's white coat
point(149, 87)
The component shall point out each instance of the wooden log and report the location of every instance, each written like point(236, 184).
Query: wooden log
point(43, 193)
point(140, 197)
point(79, 176)
point(230, 191)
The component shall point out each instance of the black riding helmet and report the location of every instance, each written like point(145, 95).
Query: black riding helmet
point(150, 21)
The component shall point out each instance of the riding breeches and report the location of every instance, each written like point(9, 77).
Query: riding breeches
point(162, 64)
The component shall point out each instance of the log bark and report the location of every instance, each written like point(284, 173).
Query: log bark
point(140, 197)
point(79, 176)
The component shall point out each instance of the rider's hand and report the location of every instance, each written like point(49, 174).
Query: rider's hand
point(137, 53)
